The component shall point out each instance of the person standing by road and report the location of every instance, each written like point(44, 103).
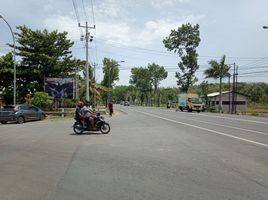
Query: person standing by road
point(111, 109)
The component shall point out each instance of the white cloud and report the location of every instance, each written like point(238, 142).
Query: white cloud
point(63, 23)
point(109, 8)
point(114, 33)
point(166, 3)
point(122, 32)
point(157, 30)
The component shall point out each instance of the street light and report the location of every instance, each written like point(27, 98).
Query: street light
point(14, 60)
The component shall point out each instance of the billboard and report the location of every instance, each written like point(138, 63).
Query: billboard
point(59, 87)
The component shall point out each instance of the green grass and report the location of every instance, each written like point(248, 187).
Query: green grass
point(257, 109)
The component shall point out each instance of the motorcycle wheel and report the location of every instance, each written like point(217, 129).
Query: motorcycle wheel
point(78, 129)
point(105, 128)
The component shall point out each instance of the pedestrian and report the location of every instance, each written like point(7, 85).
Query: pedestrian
point(111, 109)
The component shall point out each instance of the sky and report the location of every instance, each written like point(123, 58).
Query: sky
point(133, 31)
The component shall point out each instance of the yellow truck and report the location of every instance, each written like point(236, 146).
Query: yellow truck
point(190, 102)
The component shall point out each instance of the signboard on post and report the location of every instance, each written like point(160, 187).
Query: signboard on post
point(60, 88)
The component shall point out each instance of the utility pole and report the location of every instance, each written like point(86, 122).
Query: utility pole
point(229, 82)
point(76, 83)
point(233, 92)
point(236, 74)
point(88, 38)
point(94, 75)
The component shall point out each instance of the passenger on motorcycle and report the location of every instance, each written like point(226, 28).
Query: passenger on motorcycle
point(88, 112)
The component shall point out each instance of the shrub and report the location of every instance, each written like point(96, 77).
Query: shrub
point(42, 100)
point(69, 103)
point(212, 109)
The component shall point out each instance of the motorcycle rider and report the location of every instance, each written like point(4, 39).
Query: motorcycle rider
point(79, 114)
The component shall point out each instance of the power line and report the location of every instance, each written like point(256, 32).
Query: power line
point(157, 52)
point(260, 60)
point(139, 50)
point(95, 31)
point(255, 67)
point(256, 72)
point(83, 5)
point(77, 16)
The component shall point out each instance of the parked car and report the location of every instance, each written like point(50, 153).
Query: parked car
point(126, 103)
point(20, 113)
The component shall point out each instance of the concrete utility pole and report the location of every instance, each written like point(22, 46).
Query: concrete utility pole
point(88, 38)
point(14, 62)
point(236, 78)
point(233, 93)
point(94, 76)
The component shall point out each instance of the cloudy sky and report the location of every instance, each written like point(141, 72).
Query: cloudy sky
point(133, 31)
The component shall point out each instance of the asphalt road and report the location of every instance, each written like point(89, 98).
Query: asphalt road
point(149, 154)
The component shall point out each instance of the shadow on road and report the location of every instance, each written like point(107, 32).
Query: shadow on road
point(87, 133)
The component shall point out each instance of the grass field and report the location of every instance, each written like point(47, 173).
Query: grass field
point(258, 110)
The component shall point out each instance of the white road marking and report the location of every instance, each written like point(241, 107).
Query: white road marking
point(233, 127)
point(205, 129)
point(244, 120)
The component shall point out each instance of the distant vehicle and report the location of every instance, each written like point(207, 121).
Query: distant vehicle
point(20, 113)
point(122, 103)
point(190, 102)
point(126, 103)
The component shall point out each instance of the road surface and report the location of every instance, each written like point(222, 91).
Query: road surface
point(150, 154)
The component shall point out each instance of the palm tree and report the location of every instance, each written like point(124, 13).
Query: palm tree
point(218, 70)
point(95, 89)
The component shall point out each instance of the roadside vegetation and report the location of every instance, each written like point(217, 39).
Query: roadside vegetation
point(44, 54)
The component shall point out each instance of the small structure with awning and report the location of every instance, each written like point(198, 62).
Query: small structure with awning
point(231, 101)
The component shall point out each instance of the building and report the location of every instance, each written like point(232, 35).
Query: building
point(238, 104)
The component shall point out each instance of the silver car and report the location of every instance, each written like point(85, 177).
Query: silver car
point(21, 113)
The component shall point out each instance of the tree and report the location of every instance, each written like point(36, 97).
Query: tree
point(6, 74)
point(42, 54)
point(111, 74)
point(204, 90)
point(141, 79)
point(158, 73)
point(184, 41)
point(96, 90)
point(120, 93)
point(218, 70)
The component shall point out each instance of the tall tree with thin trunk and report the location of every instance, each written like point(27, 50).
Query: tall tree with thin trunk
point(158, 73)
point(184, 41)
point(218, 70)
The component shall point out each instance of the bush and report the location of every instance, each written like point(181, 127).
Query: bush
point(69, 103)
point(42, 100)
point(212, 109)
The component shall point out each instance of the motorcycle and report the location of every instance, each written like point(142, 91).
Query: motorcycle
point(100, 125)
